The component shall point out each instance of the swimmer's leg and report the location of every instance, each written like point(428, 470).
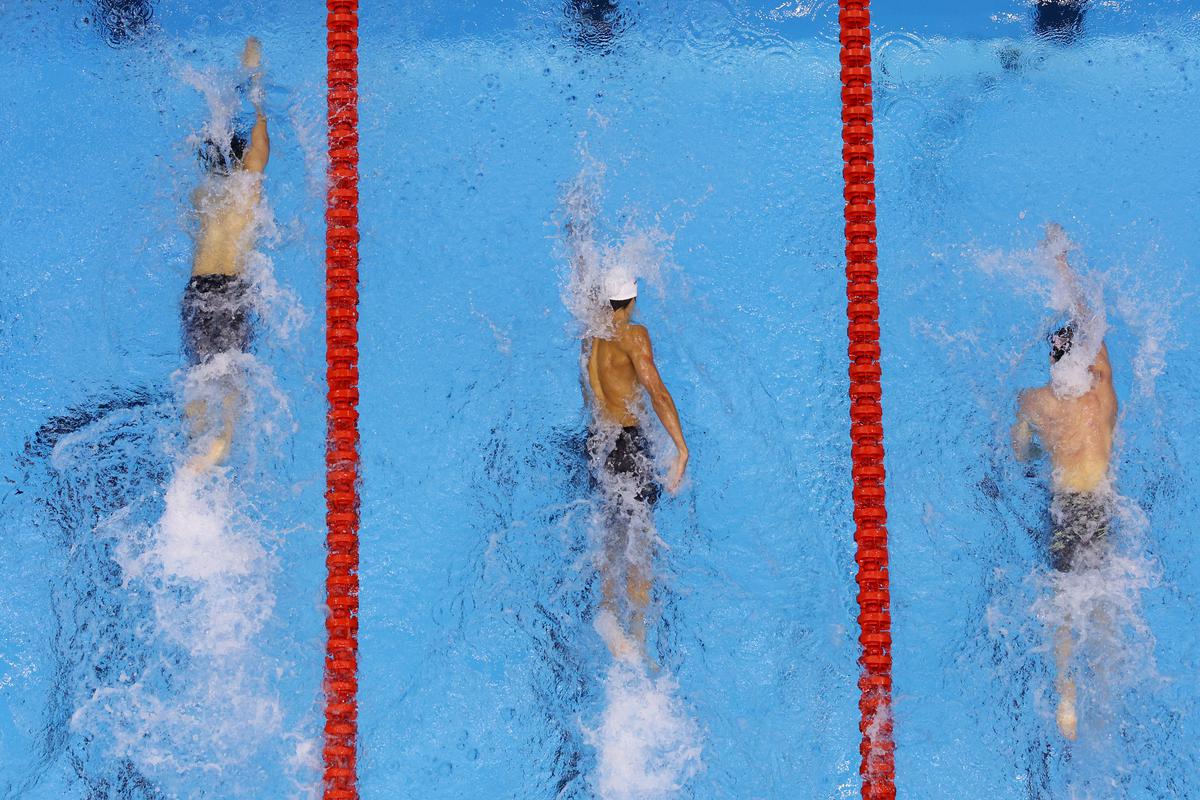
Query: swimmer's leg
point(220, 446)
point(638, 584)
point(196, 411)
point(1064, 682)
point(608, 590)
point(620, 646)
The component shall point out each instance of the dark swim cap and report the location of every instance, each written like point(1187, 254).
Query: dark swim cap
point(1060, 341)
point(218, 160)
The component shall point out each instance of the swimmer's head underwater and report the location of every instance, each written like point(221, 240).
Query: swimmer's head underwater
point(222, 159)
point(1060, 342)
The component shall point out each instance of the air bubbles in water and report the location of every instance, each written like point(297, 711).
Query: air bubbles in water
point(123, 22)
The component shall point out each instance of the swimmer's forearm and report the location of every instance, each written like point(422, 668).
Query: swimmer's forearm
point(664, 407)
point(260, 146)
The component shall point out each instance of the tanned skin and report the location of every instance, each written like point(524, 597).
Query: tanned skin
point(1077, 434)
point(621, 371)
point(226, 209)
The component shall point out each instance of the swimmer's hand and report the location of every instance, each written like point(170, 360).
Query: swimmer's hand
point(1057, 245)
point(675, 476)
point(252, 54)
point(1023, 445)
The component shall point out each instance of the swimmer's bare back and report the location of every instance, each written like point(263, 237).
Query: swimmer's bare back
point(619, 369)
point(1076, 432)
point(614, 379)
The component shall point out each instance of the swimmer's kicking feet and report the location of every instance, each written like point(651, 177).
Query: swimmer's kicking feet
point(1077, 433)
point(620, 371)
point(216, 305)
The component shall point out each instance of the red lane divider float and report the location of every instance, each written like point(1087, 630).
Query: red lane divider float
point(341, 375)
point(866, 411)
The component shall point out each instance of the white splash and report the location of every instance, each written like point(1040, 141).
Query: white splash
point(204, 702)
point(1067, 297)
point(641, 253)
point(647, 746)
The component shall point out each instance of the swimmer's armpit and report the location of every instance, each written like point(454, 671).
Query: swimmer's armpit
point(1022, 432)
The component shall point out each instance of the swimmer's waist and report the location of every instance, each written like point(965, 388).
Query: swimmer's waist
point(215, 282)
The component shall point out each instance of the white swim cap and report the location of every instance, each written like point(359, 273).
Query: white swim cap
point(620, 286)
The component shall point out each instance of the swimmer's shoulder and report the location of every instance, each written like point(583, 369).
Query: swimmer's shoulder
point(1036, 402)
point(635, 335)
point(634, 340)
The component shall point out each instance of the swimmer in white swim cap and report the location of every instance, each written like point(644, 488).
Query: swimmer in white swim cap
point(621, 376)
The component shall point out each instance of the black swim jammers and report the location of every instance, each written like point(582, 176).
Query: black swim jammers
point(216, 316)
point(1080, 528)
point(630, 461)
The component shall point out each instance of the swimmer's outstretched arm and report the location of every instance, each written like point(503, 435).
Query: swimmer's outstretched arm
point(259, 151)
point(1057, 242)
point(1056, 238)
point(664, 405)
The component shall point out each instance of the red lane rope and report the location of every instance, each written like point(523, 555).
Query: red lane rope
point(866, 411)
point(341, 376)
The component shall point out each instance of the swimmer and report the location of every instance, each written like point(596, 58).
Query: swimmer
point(216, 306)
point(1059, 20)
point(1077, 434)
point(620, 371)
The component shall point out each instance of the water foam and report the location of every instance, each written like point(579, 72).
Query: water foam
point(647, 746)
point(1067, 298)
point(642, 253)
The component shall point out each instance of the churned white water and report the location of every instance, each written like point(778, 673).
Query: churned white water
point(648, 747)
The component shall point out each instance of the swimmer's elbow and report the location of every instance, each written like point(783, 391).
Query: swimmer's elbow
point(660, 397)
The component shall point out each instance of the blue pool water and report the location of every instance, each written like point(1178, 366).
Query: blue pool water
point(161, 636)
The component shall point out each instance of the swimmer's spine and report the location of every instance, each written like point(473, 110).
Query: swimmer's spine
point(866, 411)
point(341, 374)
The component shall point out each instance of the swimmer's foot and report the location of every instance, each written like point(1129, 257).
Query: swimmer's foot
point(214, 456)
point(621, 646)
point(1066, 711)
point(252, 54)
